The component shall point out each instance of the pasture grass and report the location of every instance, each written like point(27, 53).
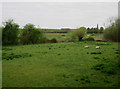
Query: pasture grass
point(58, 65)
point(57, 36)
point(67, 36)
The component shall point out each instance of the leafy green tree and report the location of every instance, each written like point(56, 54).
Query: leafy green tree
point(29, 26)
point(79, 33)
point(31, 35)
point(111, 32)
point(97, 27)
point(10, 33)
point(101, 29)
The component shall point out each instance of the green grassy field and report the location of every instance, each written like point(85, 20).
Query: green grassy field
point(67, 36)
point(58, 65)
point(57, 36)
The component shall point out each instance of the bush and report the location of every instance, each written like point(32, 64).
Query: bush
point(111, 32)
point(89, 39)
point(31, 35)
point(54, 40)
point(45, 40)
point(79, 33)
point(74, 37)
point(10, 33)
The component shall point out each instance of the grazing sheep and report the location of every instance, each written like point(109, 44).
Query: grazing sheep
point(86, 46)
point(97, 47)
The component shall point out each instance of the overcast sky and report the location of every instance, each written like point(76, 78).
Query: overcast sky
point(60, 14)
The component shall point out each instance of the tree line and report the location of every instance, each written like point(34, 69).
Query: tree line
point(12, 34)
point(95, 30)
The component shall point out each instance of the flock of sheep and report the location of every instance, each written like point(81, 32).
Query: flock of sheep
point(97, 47)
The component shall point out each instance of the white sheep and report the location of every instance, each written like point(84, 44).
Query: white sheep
point(97, 47)
point(86, 46)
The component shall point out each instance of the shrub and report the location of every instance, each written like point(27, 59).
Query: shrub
point(54, 40)
point(89, 39)
point(79, 33)
point(10, 33)
point(101, 29)
point(111, 32)
point(31, 35)
point(74, 37)
point(47, 41)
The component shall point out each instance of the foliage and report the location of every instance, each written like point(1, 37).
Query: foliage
point(79, 33)
point(95, 30)
point(73, 37)
point(97, 27)
point(53, 40)
point(89, 39)
point(111, 32)
point(31, 35)
point(101, 29)
point(10, 33)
